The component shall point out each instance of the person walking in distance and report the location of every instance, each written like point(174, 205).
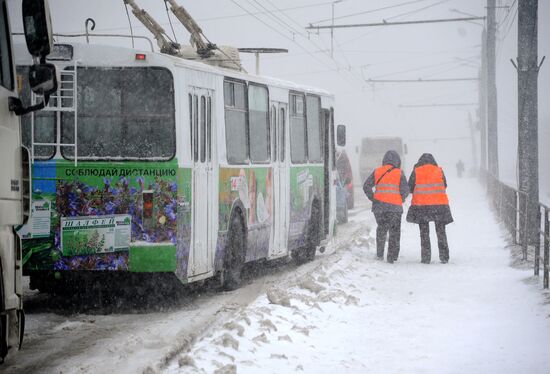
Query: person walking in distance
point(459, 168)
point(430, 203)
point(390, 191)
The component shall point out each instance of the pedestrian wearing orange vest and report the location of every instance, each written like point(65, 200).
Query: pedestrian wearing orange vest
point(430, 203)
point(390, 190)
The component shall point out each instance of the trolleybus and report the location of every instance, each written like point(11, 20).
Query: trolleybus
point(150, 163)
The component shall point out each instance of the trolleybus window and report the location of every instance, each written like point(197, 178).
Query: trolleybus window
point(195, 128)
point(6, 72)
point(44, 121)
point(297, 129)
point(191, 125)
point(314, 136)
point(274, 132)
point(235, 122)
point(209, 128)
point(258, 109)
point(203, 129)
point(123, 113)
point(332, 138)
point(282, 130)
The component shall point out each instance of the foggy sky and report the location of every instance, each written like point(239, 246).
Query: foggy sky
point(448, 50)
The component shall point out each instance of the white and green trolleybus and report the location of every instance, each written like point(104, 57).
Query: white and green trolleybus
point(150, 163)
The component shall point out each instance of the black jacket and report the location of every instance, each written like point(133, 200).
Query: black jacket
point(427, 213)
point(390, 158)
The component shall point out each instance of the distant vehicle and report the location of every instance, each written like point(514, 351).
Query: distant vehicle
point(344, 169)
point(342, 195)
point(373, 150)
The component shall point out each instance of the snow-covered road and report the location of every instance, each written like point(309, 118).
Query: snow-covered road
point(354, 314)
point(344, 312)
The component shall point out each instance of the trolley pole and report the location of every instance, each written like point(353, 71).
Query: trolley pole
point(492, 114)
point(528, 69)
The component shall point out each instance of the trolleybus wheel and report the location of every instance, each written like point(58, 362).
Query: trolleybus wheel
point(345, 216)
point(234, 260)
point(307, 253)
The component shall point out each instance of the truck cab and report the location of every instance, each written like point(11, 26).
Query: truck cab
point(14, 178)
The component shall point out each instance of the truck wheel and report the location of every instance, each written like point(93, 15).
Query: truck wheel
point(235, 255)
point(3, 321)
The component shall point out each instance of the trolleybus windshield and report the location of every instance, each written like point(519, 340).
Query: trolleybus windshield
point(123, 114)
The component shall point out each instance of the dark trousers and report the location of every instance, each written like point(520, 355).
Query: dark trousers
point(425, 245)
point(388, 222)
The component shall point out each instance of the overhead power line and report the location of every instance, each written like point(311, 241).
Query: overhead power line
point(370, 11)
point(399, 23)
point(437, 105)
point(420, 80)
point(299, 45)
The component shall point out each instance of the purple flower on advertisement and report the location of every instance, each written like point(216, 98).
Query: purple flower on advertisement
point(110, 207)
point(60, 265)
point(57, 238)
point(141, 182)
point(173, 237)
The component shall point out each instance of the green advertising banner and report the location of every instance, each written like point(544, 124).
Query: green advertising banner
point(99, 234)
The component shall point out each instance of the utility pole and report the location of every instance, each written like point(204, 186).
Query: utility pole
point(528, 69)
point(483, 105)
point(332, 29)
point(492, 114)
point(475, 161)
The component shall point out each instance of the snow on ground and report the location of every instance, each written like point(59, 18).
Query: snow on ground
point(355, 314)
point(343, 312)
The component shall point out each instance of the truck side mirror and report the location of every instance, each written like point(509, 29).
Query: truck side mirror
point(405, 149)
point(341, 135)
point(42, 79)
point(38, 34)
point(38, 27)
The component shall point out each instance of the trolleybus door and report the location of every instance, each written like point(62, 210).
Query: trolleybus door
point(201, 135)
point(279, 244)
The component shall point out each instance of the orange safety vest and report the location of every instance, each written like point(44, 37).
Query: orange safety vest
point(387, 185)
point(430, 186)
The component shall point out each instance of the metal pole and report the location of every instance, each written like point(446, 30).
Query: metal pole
point(483, 103)
point(525, 242)
point(332, 34)
point(473, 140)
point(492, 114)
point(546, 246)
point(257, 63)
point(537, 245)
point(527, 68)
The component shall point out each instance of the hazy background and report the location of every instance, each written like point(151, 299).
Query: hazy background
point(447, 50)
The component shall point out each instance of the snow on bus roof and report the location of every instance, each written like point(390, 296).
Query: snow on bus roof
point(107, 55)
